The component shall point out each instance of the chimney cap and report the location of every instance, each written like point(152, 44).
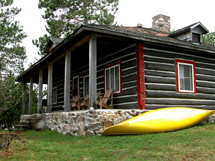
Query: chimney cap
point(165, 17)
point(139, 25)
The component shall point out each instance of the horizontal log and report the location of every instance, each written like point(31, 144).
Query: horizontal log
point(100, 85)
point(173, 54)
point(159, 80)
point(128, 63)
point(159, 60)
point(205, 90)
point(204, 65)
point(159, 67)
point(129, 91)
point(205, 78)
point(129, 78)
point(118, 55)
point(129, 71)
point(204, 71)
point(171, 94)
point(125, 100)
point(132, 84)
point(205, 84)
point(180, 102)
point(165, 87)
point(159, 73)
point(127, 106)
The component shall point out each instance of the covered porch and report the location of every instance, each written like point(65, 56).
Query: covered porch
point(77, 67)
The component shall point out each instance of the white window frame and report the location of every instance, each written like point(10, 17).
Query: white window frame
point(193, 83)
point(76, 77)
point(109, 68)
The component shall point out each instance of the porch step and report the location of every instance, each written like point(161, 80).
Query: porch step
point(23, 125)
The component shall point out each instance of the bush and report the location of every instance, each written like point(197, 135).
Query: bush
point(11, 101)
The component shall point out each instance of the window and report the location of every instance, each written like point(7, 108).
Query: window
point(113, 78)
point(196, 37)
point(54, 95)
point(75, 86)
point(86, 85)
point(185, 76)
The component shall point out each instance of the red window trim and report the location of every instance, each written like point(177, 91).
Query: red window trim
point(177, 75)
point(77, 76)
point(87, 75)
point(120, 72)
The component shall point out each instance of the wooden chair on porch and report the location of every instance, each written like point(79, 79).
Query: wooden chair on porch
point(102, 102)
point(85, 102)
point(75, 103)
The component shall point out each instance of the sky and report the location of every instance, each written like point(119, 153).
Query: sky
point(131, 12)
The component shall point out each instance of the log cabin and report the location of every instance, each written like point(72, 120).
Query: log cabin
point(146, 68)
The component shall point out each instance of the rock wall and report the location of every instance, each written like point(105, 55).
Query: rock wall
point(86, 122)
point(89, 122)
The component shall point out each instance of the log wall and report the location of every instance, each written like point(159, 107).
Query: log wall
point(128, 98)
point(160, 79)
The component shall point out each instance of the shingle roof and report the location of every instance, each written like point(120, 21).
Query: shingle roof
point(138, 33)
point(150, 33)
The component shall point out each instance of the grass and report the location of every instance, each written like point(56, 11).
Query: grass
point(196, 143)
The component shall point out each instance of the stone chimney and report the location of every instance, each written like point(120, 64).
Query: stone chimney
point(161, 22)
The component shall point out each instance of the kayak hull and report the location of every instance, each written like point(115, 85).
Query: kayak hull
point(161, 120)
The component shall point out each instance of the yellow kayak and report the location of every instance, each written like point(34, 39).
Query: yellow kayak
point(161, 120)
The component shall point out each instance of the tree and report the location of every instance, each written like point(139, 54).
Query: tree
point(209, 38)
point(12, 54)
point(64, 16)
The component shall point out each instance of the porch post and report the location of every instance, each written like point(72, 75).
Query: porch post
point(92, 71)
point(50, 84)
point(67, 82)
point(23, 97)
point(40, 98)
point(30, 95)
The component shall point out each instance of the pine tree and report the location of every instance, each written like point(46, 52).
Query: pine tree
point(12, 54)
point(64, 16)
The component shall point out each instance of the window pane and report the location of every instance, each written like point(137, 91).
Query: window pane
point(117, 83)
point(185, 77)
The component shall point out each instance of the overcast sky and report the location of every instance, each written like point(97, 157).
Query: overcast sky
point(131, 12)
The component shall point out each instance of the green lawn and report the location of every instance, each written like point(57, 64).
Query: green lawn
point(196, 143)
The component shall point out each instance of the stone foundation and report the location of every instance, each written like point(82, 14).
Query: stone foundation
point(86, 122)
point(89, 122)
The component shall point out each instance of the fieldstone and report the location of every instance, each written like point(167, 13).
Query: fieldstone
point(74, 119)
point(99, 132)
point(67, 128)
point(95, 126)
point(80, 132)
point(92, 115)
point(108, 123)
point(89, 133)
